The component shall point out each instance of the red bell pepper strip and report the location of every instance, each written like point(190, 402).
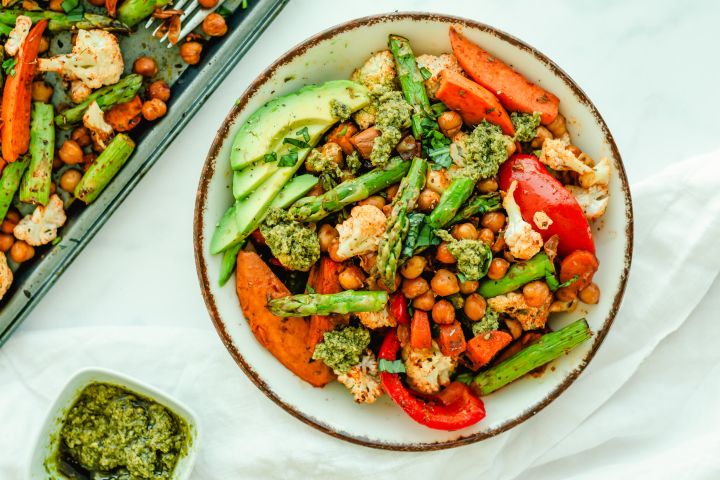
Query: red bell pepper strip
point(399, 309)
point(420, 335)
point(537, 191)
point(111, 7)
point(456, 409)
point(17, 97)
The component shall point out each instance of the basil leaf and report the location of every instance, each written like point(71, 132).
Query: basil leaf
point(296, 143)
point(415, 223)
point(394, 366)
point(289, 159)
point(425, 73)
point(69, 5)
point(305, 134)
point(9, 66)
point(270, 157)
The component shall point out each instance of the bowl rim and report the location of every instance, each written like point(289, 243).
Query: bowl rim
point(208, 171)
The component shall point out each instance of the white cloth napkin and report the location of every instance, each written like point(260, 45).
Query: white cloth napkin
point(677, 214)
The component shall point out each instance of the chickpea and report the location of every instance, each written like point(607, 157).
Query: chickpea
point(445, 283)
point(469, 286)
point(387, 209)
point(158, 89)
point(70, 179)
point(145, 66)
point(499, 244)
point(368, 261)
point(488, 185)
point(428, 200)
point(566, 294)
point(558, 126)
point(450, 123)
point(392, 191)
point(413, 267)
point(510, 148)
point(425, 301)
point(443, 255)
point(153, 109)
point(590, 294)
point(495, 221)
point(414, 287)
point(214, 25)
point(6, 241)
point(474, 307)
point(536, 293)
point(81, 135)
point(443, 312)
point(41, 91)
point(332, 251)
point(352, 278)
point(44, 45)
point(327, 234)
point(498, 268)
point(437, 180)
point(576, 151)
point(208, 3)
point(71, 153)
point(375, 201)
point(407, 147)
point(21, 252)
point(515, 327)
point(333, 151)
point(190, 52)
point(56, 5)
point(487, 236)
point(465, 231)
point(541, 135)
point(11, 219)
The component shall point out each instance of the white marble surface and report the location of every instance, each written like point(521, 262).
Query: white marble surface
point(649, 66)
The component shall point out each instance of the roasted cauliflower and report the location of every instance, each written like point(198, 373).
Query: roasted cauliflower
point(377, 73)
point(363, 380)
point(593, 200)
point(361, 232)
point(41, 226)
point(556, 156)
point(379, 319)
point(94, 120)
point(521, 239)
point(6, 275)
point(436, 64)
point(428, 370)
point(17, 35)
point(513, 305)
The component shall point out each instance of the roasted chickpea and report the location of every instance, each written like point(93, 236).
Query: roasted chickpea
point(413, 267)
point(41, 91)
point(515, 327)
point(488, 185)
point(445, 283)
point(407, 148)
point(428, 200)
point(498, 268)
point(6, 241)
point(443, 312)
point(437, 180)
point(499, 244)
point(465, 231)
point(153, 109)
point(425, 301)
point(332, 251)
point(450, 123)
point(443, 255)
point(566, 294)
point(81, 135)
point(558, 127)
point(387, 209)
point(392, 191)
point(11, 219)
point(56, 5)
point(368, 261)
point(474, 307)
point(352, 278)
point(541, 135)
point(374, 200)
point(71, 153)
point(208, 3)
point(486, 235)
point(21, 252)
point(70, 179)
point(145, 66)
point(414, 287)
point(214, 25)
point(590, 294)
point(495, 221)
point(469, 286)
point(333, 151)
point(190, 52)
point(327, 234)
point(44, 44)
point(536, 293)
point(158, 89)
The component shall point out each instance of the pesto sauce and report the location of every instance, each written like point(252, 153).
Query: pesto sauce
point(112, 433)
point(341, 349)
point(393, 114)
point(484, 150)
point(473, 256)
point(525, 125)
point(294, 245)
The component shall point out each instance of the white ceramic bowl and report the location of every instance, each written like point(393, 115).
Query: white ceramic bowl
point(334, 54)
point(47, 438)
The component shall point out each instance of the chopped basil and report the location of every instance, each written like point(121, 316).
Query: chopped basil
point(305, 134)
point(69, 5)
point(9, 66)
point(296, 143)
point(425, 73)
point(394, 366)
point(270, 157)
point(289, 159)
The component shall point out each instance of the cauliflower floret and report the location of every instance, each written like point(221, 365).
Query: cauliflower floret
point(17, 35)
point(365, 117)
point(377, 73)
point(41, 226)
point(523, 241)
point(428, 370)
point(556, 156)
point(94, 120)
point(436, 64)
point(593, 200)
point(377, 319)
point(95, 60)
point(361, 232)
point(6, 276)
point(79, 91)
point(600, 175)
point(513, 305)
point(363, 380)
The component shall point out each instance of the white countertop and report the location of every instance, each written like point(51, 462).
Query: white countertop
point(650, 67)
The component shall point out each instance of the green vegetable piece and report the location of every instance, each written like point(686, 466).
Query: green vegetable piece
point(296, 246)
point(342, 349)
point(525, 125)
point(348, 301)
point(227, 232)
point(9, 183)
point(488, 323)
point(518, 275)
point(450, 202)
point(60, 21)
point(105, 167)
point(473, 256)
point(132, 12)
point(477, 206)
point(228, 262)
point(247, 180)
point(35, 187)
point(294, 189)
point(411, 80)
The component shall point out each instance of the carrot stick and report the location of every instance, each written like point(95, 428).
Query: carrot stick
point(111, 7)
point(324, 278)
point(17, 98)
point(473, 101)
point(452, 339)
point(420, 335)
point(485, 346)
point(515, 92)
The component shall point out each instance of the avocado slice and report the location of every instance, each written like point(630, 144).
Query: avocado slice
point(311, 106)
point(294, 189)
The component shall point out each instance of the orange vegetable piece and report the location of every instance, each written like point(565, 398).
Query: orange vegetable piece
point(420, 335)
point(324, 278)
point(111, 7)
point(581, 263)
point(123, 117)
point(482, 348)
point(452, 339)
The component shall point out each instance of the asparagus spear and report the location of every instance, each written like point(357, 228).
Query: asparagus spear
point(121, 92)
point(35, 187)
point(518, 275)
point(411, 80)
point(391, 245)
point(9, 182)
point(478, 205)
point(132, 12)
point(451, 200)
point(59, 21)
point(548, 348)
point(312, 209)
point(348, 301)
point(104, 168)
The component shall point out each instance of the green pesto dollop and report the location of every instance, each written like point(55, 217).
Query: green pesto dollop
point(341, 349)
point(473, 256)
point(323, 163)
point(526, 125)
point(113, 433)
point(483, 151)
point(294, 245)
point(353, 162)
point(393, 114)
point(488, 323)
point(339, 110)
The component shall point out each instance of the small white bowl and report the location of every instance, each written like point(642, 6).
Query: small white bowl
point(48, 436)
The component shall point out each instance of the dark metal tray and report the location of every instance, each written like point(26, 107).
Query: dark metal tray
point(191, 87)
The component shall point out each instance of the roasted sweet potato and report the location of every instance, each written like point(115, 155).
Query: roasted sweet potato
point(324, 278)
point(125, 116)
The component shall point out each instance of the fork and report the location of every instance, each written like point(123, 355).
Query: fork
point(191, 17)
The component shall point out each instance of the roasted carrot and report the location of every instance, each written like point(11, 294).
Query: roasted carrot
point(324, 278)
point(482, 348)
point(581, 263)
point(515, 92)
point(111, 7)
point(451, 339)
point(420, 336)
point(17, 97)
point(283, 337)
point(123, 117)
point(472, 101)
